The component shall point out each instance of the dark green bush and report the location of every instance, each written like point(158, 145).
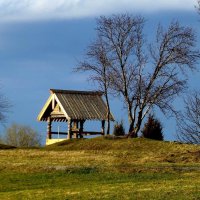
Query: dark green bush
point(152, 129)
point(119, 129)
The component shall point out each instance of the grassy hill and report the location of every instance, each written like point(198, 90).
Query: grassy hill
point(137, 150)
point(102, 168)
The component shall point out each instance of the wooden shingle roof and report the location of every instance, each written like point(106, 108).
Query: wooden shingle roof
point(74, 105)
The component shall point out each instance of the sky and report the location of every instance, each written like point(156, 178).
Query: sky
point(41, 41)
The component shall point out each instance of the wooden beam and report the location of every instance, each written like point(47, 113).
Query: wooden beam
point(103, 127)
point(60, 133)
point(69, 129)
point(53, 102)
point(81, 128)
point(87, 132)
point(49, 128)
point(75, 128)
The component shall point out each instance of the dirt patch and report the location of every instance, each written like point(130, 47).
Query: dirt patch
point(183, 157)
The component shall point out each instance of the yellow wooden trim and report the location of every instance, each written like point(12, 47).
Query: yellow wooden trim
point(45, 107)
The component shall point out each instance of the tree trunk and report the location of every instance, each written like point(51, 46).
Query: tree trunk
point(131, 127)
point(138, 124)
point(131, 132)
point(108, 124)
point(108, 112)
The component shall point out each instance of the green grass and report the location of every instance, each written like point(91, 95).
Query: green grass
point(84, 184)
point(102, 169)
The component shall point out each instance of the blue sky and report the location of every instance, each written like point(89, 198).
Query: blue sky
point(41, 41)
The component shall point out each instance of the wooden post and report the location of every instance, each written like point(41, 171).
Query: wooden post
point(75, 128)
point(103, 127)
point(69, 129)
point(81, 128)
point(49, 128)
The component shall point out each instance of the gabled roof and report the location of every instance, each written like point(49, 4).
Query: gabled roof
point(75, 105)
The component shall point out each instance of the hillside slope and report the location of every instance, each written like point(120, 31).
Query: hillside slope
point(138, 149)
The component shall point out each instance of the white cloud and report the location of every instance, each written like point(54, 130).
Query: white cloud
point(52, 9)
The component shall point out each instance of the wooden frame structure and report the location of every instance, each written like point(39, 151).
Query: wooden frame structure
point(73, 107)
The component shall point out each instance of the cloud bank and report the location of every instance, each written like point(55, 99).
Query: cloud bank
point(16, 10)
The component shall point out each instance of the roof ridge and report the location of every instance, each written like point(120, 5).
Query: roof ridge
point(99, 93)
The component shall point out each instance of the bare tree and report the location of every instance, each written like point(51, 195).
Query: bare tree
point(4, 108)
point(22, 136)
point(97, 63)
point(145, 75)
point(189, 121)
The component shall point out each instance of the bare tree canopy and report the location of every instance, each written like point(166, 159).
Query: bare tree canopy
point(4, 108)
point(22, 136)
point(97, 62)
point(189, 122)
point(145, 74)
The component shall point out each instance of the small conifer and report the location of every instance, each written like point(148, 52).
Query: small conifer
point(152, 129)
point(119, 129)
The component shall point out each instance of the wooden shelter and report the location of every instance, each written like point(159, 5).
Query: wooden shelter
point(73, 107)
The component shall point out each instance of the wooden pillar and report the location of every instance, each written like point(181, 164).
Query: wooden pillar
point(49, 128)
point(81, 128)
point(103, 127)
point(75, 128)
point(69, 136)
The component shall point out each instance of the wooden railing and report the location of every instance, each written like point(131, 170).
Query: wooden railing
point(77, 132)
point(87, 132)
